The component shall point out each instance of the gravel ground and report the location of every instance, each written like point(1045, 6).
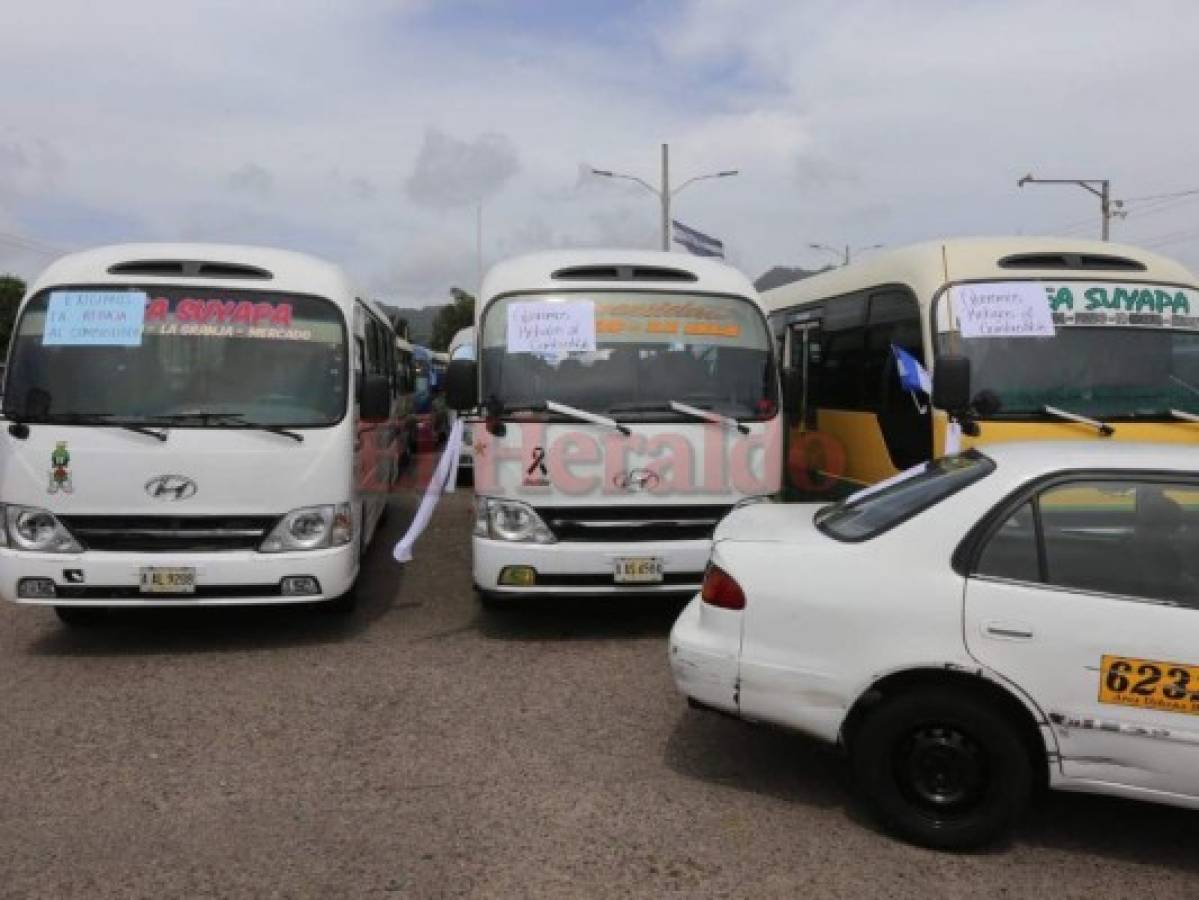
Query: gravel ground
point(425, 748)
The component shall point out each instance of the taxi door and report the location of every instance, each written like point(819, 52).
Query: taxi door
point(1087, 598)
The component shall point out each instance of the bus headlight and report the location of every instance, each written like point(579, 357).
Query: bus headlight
point(29, 528)
point(510, 520)
point(311, 528)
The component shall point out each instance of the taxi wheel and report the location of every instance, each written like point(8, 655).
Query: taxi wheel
point(81, 616)
point(942, 768)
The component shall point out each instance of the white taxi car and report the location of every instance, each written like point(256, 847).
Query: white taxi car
point(990, 621)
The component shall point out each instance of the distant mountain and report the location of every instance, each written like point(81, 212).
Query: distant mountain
point(780, 275)
point(420, 320)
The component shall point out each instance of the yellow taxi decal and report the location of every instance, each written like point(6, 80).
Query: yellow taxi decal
point(1149, 684)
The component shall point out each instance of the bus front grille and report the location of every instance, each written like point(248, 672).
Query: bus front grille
point(633, 523)
point(163, 534)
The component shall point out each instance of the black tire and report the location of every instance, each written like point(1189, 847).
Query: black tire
point(943, 768)
point(81, 616)
point(341, 606)
point(492, 601)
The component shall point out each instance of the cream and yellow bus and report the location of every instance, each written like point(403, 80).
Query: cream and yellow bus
point(1065, 339)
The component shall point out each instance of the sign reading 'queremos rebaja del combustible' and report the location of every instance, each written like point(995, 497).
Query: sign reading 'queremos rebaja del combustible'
point(1003, 309)
point(541, 326)
point(95, 319)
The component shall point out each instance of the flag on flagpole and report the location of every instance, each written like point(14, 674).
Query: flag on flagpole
point(912, 376)
point(697, 242)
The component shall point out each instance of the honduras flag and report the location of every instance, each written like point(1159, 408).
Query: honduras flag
point(913, 377)
point(697, 242)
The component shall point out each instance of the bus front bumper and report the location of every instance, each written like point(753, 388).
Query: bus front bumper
point(586, 568)
point(236, 578)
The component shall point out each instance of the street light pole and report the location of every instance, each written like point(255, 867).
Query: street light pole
point(844, 255)
point(666, 197)
point(1103, 192)
point(665, 192)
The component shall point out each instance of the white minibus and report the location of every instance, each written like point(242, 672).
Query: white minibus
point(626, 400)
point(462, 346)
point(193, 424)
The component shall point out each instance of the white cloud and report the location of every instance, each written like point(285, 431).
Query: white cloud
point(367, 131)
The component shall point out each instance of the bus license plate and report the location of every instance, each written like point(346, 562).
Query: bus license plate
point(639, 570)
point(165, 580)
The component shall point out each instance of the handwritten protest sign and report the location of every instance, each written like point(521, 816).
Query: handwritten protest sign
point(542, 326)
point(95, 318)
point(1003, 309)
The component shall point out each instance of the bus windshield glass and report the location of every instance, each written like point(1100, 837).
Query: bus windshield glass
point(628, 354)
point(184, 356)
point(1139, 359)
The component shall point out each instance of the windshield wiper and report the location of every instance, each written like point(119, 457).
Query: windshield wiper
point(234, 420)
point(1102, 427)
point(709, 416)
point(583, 416)
point(102, 420)
point(1183, 415)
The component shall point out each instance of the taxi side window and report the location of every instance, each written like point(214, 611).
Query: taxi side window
point(1135, 538)
point(1011, 552)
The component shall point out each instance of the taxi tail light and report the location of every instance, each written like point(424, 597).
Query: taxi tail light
point(721, 589)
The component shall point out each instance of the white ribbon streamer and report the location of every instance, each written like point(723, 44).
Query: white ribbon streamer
point(445, 477)
point(953, 438)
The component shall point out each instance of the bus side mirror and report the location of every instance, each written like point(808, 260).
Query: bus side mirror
point(462, 385)
point(374, 404)
point(951, 384)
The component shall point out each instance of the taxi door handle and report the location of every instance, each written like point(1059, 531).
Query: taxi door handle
point(1008, 631)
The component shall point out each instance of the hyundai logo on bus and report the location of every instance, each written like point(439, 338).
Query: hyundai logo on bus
point(171, 487)
point(637, 480)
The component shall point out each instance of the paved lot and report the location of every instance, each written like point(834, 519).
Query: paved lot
point(424, 748)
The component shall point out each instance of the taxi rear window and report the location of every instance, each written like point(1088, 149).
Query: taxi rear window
point(869, 513)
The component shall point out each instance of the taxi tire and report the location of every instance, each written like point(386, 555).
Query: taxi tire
point(888, 731)
point(81, 616)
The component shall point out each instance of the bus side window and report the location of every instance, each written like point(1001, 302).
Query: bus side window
point(838, 382)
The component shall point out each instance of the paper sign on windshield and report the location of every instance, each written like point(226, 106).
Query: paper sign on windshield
point(95, 319)
point(1003, 309)
point(540, 326)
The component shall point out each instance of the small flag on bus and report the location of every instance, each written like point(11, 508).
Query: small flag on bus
point(697, 242)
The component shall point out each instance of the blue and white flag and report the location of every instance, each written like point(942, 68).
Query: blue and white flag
point(697, 242)
point(913, 377)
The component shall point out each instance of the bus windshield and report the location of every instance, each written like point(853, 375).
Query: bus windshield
point(1106, 373)
point(197, 355)
point(640, 352)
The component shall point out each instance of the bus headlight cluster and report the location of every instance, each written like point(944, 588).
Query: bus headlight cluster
point(30, 528)
point(311, 528)
point(510, 520)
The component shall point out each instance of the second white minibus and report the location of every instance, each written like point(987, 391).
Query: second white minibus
point(626, 401)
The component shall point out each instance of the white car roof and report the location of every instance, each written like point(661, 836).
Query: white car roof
point(535, 272)
point(290, 271)
point(1032, 458)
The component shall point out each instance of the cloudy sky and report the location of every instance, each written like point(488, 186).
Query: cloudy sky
point(368, 131)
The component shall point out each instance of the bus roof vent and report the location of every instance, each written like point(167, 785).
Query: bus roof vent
point(1090, 261)
point(624, 273)
point(185, 268)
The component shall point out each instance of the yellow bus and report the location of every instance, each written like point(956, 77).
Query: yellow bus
point(1065, 339)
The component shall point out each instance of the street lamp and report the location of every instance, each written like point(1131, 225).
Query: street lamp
point(1103, 192)
point(665, 192)
point(843, 255)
